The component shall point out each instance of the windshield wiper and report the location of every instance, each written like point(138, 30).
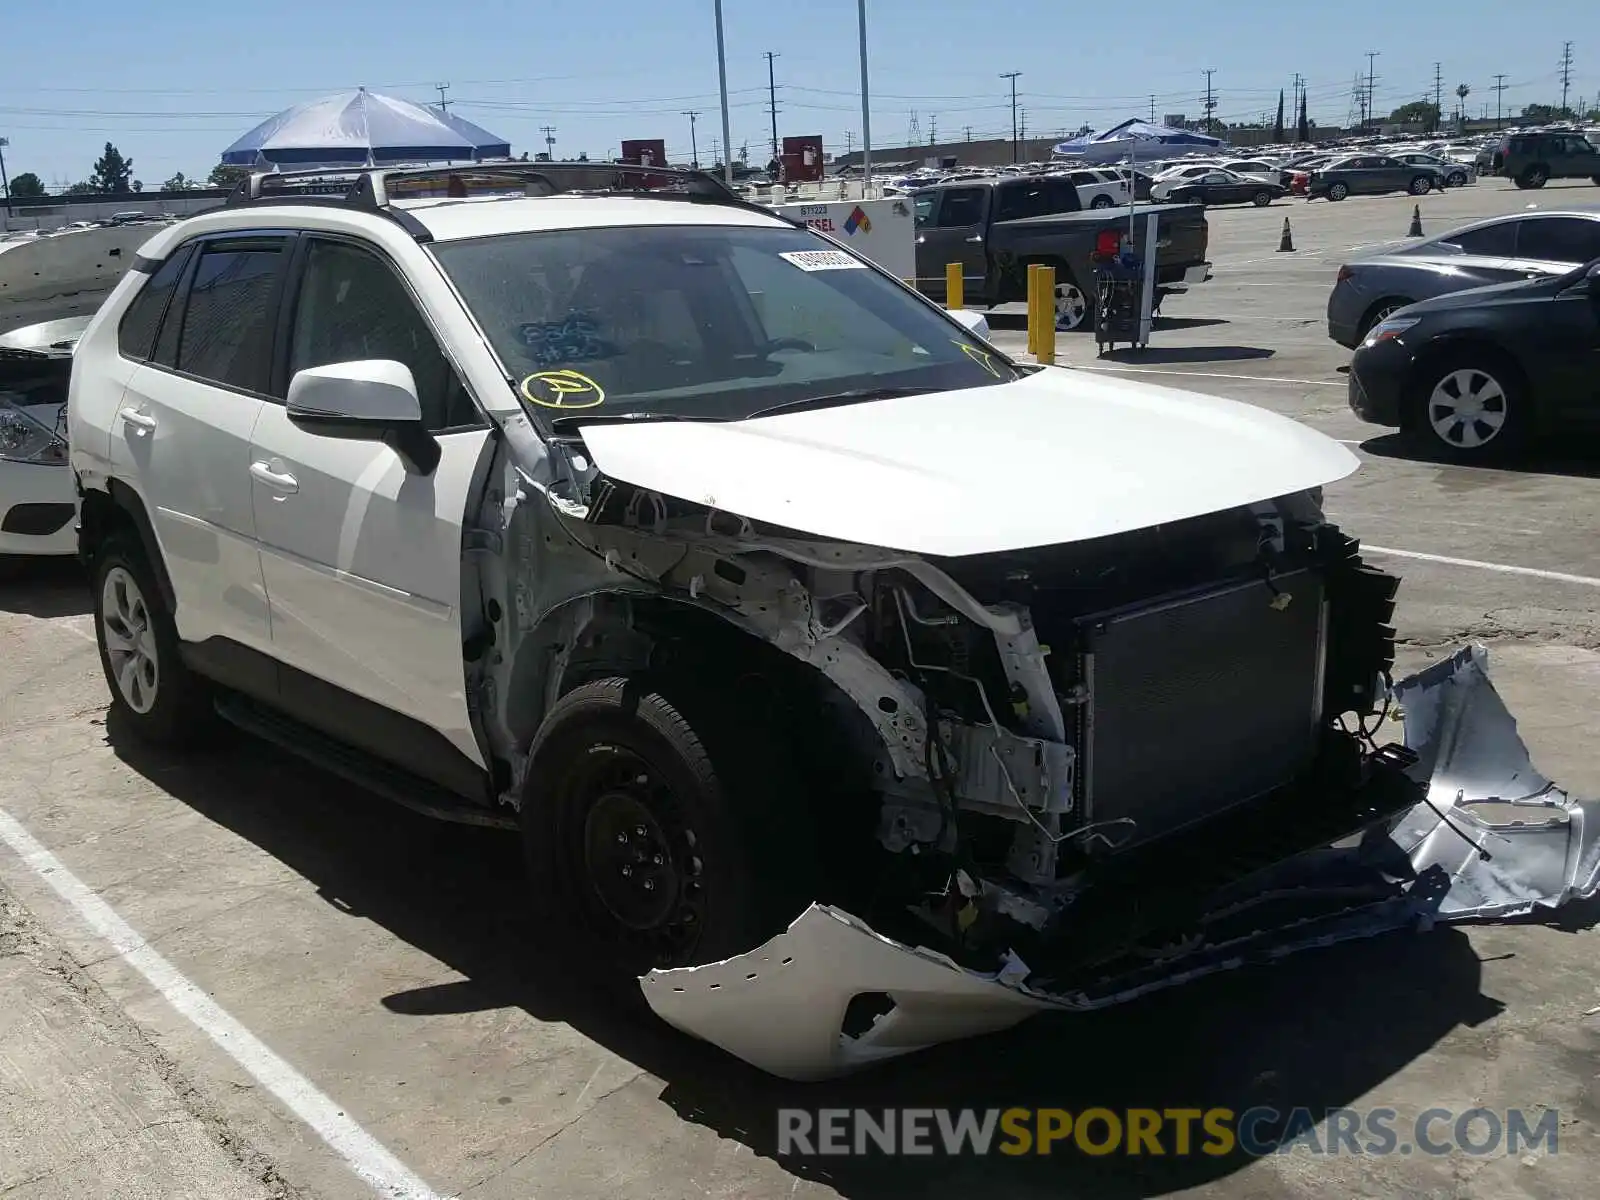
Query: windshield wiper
point(835, 399)
point(572, 421)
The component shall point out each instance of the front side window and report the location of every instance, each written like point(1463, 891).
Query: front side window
point(352, 306)
point(229, 315)
point(702, 321)
point(924, 204)
point(1559, 239)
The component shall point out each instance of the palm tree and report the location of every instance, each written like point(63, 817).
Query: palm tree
point(1461, 106)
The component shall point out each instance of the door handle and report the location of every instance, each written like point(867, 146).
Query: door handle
point(137, 419)
point(976, 238)
point(278, 481)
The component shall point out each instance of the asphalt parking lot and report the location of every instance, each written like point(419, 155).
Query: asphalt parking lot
point(231, 975)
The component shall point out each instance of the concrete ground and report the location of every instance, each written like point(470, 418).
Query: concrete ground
point(372, 960)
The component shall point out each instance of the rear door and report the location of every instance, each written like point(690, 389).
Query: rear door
point(362, 558)
point(1577, 158)
point(955, 234)
point(183, 432)
point(1566, 357)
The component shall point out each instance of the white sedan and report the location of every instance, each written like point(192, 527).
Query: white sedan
point(38, 504)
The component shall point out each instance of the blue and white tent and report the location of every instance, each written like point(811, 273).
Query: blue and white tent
point(362, 128)
point(1140, 138)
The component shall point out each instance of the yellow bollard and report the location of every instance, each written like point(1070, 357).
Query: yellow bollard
point(1033, 307)
point(1046, 351)
point(952, 286)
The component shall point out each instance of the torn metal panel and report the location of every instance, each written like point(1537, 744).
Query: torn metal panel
point(782, 1006)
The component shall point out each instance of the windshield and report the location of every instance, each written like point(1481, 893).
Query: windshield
point(701, 321)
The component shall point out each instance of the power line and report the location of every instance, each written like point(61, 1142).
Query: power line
point(772, 102)
point(1012, 76)
point(1566, 73)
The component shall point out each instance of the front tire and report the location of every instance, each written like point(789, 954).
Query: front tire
point(1456, 179)
point(653, 826)
point(1261, 199)
point(1472, 408)
point(152, 693)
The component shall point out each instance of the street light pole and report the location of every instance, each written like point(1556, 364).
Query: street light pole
point(722, 80)
point(866, 103)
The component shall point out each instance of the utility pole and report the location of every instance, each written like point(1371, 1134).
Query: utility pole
point(1023, 137)
point(1209, 100)
point(1438, 97)
point(694, 143)
point(442, 88)
point(1152, 110)
point(772, 102)
point(967, 129)
point(1299, 85)
point(1012, 75)
point(1372, 79)
point(849, 141)
point(549, 132)
point(933, 129)
point(5, 182)
point(1566, 73)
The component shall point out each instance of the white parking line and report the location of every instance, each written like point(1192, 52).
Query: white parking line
point(361, 1152)
point(1499, 568)
point(1121, 370)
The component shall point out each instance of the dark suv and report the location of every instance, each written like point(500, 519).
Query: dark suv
point(1530, 159)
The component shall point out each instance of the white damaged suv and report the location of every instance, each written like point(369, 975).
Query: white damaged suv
point(792, 623)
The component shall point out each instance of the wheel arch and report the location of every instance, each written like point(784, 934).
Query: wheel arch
point(120, 509)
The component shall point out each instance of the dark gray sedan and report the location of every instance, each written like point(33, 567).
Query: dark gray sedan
point(1494, 251)
point(1372, 175)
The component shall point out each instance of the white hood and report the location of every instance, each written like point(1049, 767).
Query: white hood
point(1060, 456)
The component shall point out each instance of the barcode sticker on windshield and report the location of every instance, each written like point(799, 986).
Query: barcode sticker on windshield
point(823, 260)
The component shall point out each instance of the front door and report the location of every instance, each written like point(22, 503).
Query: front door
point(362, 557)
point(183, 432)
point(954, 234)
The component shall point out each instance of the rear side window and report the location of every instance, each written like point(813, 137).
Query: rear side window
point(230, 312)
point(1499, 240)
point(136, 336)
point(1559, 239)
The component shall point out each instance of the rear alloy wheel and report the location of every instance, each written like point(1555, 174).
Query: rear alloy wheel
point(1338, 191)
point(1473, 411)
point(1072, 306)
point(1101, 201)
point(1421, 185)
point(1533, 177)
point(1261, 199)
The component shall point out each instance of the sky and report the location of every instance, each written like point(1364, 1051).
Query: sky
point(174, 83)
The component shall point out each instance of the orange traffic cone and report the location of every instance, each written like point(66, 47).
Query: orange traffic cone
point(1286, 242)
point(1416, 221)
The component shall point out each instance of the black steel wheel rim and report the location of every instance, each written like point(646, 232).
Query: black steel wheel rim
point(634, 862)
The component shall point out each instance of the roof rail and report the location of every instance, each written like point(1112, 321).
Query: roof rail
point(375, 189)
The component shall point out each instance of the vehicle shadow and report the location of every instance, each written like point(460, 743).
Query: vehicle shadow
point(1552, 456)
point(1189, 354)
point(1315, 1031)
point(44, 587)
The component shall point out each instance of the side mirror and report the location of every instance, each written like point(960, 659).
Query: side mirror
point(371, 400)
point(975, 322)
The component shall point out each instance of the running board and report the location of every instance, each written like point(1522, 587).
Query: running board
point(356, 766)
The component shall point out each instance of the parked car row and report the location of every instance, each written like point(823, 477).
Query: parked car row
point(1480, 339)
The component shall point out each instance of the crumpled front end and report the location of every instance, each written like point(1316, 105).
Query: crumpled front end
point(1483, 835)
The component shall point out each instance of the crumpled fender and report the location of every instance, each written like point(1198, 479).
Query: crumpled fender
point(1502, 837)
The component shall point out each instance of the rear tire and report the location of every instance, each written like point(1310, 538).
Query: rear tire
point(1101, 201)
point(1421, 185)
point(1338, 191)
point(1471, 407)
point(660, 830)
point(152, 692)
point(1533, 177)
point(1456, 179)
point(1261, 199)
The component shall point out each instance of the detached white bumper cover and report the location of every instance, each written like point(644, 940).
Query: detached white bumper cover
point(781, 1007)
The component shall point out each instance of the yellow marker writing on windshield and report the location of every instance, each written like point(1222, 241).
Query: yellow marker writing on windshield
point(562, 389)
point(981, 357)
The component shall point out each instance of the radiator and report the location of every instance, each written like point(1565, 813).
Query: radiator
point(1198, 702)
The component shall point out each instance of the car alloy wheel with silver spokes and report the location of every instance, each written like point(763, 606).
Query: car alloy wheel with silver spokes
point(1468, 409)
point(128, 630)
point(1072, 306)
